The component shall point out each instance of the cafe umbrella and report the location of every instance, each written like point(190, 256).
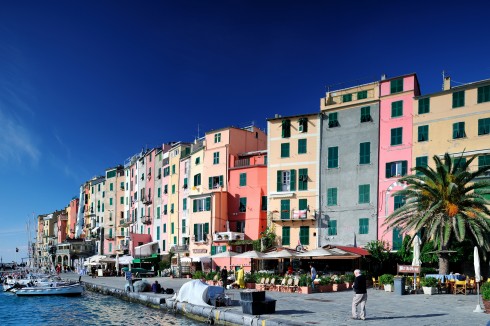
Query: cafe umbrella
point(416, 258)
point(476, 262)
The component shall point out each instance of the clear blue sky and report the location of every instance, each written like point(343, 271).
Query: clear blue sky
point(86, 84)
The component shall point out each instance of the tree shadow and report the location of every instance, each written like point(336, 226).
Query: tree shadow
point(292, 312)
point(404, 317)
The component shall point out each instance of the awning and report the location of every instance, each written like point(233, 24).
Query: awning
point(146, 250)
point(205, 259)
point(355, 250)
point(147, 259)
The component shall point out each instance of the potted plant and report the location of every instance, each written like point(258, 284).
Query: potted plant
point(387, 280)
point(349, 280)
point(325, 284)
point(429, 285)
point(485, 295)
point(304, 284)
point(249, 281)
point(338, 283)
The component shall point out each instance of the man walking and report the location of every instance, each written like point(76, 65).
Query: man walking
point(360, 296)
point(224, 277)
point(313, 276)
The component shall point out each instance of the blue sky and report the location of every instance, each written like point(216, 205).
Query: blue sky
point(86, 84)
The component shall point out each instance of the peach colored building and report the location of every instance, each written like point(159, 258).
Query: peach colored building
point(395, 148)
point(72, 211)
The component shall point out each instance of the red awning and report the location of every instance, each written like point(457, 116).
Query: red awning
point(355, 250)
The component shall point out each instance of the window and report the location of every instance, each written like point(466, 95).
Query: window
point(332, 197)
point(302, 146)
point(303, 125)
point(111, 186)
point(396, 136)
point(240, 226)
point(333, 120)
point(286, 180)
point(396, 169)
point(197, 179)
point(458, 130)
point(215, 182)
point(201, 204)
point(286, 236)
point(365, 153)
point(216, 158)
point(459, 162)
point(158, 212)
point(458, 99)
point(396, 86)
point(242, 208)
point(197, 161)
point(303, 204)
point(158, 233)
point(121, 185)
point(110, 201)
point(264, 203)
point(347, 98)
point(165, 209)
point(173, 168)
point(364, 194)
point(159, 192)
point(201, 230)
point(166, 171)
point(286, 128)
point(121, 200)
point(304, 235)
point(165, 189)
point(332, 227)
point(483, 126)
point(164, 227)
point(184, 204)
point(361, 95)
point(421, 161)
point(483, 94)
point(285, 150)
point(483, 161)
point(303, 179)
point(243, 179)
point(399, 201)
point(366, 114)
point(183, 226)
point(363, 226)
point(424, 105)
point(396, 109)
point(217, 138)
point(333, 157)
point(173, 189)
point(397, 239)
point(423, 134)
point(185, 183)
point(285, 209)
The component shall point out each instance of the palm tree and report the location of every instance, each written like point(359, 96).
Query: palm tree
point(448, 203)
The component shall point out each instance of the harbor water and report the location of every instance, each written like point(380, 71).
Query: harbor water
point(89, 309)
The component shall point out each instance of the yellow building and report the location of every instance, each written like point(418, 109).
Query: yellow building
point(293, 179)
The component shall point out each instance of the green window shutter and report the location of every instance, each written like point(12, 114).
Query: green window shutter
point(172, 228)
point(173, 189)
point(423, 133)
point(286, 128)
point(366, 114)
point(264, 203)
point(194, 205)
point(362, 95)
point(286, 236)
point(159, 190)
point(365, 153)
point(396, 86)
point(396, 136)
point(424, 105)
point(304, 235)
point(333, 157)
point(165, 209)
point(164, 247)
point(458, 130)
point(195, 231)
point(363, 226)
point(303, 179)
point(332, 227)
point(483, 94)
point(210, 183)
point(164, 227)
point(397, 239)
point(284, 150)
point(404, 168)
point(458, 99)
point(102, 207)
point(158, 212)
point(158, 233)
point(347, 98)
point(208, 203)
point(242, 205)
point(183, 226)
point(399, 201)
point(184, 203)
point(206, 228)
point(396, 109)
point(388, 170)
point(111, 186)
point(221, 180)
point(333, 120)
point(483, 161)
point(185, 182)
point(483, 126)
point(421, 161)
point(332, 197)
point(364, 194)
point(302, 146)
point(285, 209)
point(213, 250)
point(292, 183)
point(121, 200)
point(303, 204)
point(243, 179)
point(279, 180)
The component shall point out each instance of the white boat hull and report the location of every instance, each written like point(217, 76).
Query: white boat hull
point(62, 290)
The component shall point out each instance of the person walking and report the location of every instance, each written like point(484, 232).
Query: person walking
point(360, 296)
point(224, 277)
point(313, 276)
point(240, 278)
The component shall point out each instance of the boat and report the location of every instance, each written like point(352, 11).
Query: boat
point(70, 290)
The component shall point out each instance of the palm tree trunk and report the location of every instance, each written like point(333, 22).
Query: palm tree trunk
point(443, 263)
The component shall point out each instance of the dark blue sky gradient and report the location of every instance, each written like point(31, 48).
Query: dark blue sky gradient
point(86, 84)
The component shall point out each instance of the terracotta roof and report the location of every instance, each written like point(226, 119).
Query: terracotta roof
point(355, 250)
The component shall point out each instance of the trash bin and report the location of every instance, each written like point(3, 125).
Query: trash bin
point(400, 285)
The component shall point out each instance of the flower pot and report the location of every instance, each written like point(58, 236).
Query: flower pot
point(338, 287)
point(486, 305)
point(429, 290)
point(388, 287)
point(304, 289)
point(250, 285)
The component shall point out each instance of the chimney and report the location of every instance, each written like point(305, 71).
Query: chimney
point(447, 83)
point(383, 77)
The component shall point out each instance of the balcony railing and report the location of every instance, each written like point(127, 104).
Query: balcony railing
point(228, 236)
point(182, 248)
point(146, 220)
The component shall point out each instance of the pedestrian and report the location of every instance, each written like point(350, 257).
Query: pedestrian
point(240, 278)
point(224, 277)
point(313, 276)
point(360, 296)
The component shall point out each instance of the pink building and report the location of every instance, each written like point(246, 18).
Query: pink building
point(72, 217)
point(395, 148)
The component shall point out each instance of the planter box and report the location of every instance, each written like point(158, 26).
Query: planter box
point(250, 285)
point(429, 290)
point(486, 306)
point(388, 287)
point(304, 289)
point(348, 285)
point(325, 288)
point(338, 287)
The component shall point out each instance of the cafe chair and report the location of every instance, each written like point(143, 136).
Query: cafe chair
point(471, 286)
point(375, 283)
point(460, 287)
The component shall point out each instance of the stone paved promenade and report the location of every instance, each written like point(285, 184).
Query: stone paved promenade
point(334, 308)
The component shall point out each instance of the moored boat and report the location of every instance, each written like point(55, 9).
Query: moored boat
point(62, 290)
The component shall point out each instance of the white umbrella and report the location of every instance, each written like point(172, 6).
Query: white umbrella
point(250, 254)
point(117, 264)
point(476, 262)
point(416, 257)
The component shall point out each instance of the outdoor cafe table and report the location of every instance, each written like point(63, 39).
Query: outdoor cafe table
point(448, 277)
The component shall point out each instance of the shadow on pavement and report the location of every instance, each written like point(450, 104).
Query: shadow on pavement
point(292, 312)
point(405, 317)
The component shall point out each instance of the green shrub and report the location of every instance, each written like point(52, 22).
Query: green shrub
point(304, 280)
point(387, 279)
point(210, 276)
point(325, 280)
point(198, 275)
point(349, 278)
point(249, 278)
point(485, 291)
point(430, 282)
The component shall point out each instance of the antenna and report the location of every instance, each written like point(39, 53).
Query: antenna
point(198, 131)
point(443, 78)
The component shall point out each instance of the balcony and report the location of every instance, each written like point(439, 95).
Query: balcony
point(146, 220)
point(182, 248)
point(296, 215)
point(228, 236)
point(147, 200)
point(109, 237)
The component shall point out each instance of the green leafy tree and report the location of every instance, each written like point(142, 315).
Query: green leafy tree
point(379, 255)
point(448, 203)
